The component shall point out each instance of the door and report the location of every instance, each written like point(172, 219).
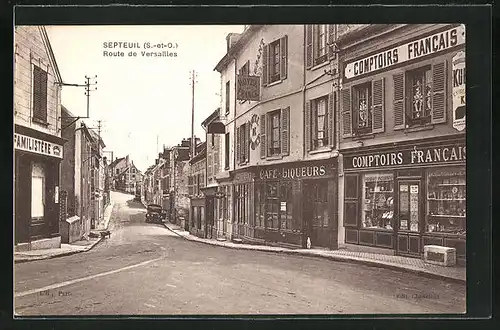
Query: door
point(209, 216)
point(38, 227)
point(409, 217)
point(316, 213)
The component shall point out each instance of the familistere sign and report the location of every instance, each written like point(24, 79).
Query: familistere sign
point(406, 52)
point(30, 144)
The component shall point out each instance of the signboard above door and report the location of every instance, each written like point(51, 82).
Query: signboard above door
point(248, 88)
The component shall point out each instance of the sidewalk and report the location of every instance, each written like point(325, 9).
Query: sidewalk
point(66, 249)
point(413, 265)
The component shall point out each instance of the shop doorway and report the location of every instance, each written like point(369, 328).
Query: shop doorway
point(409, 217)
point(209, 216)
point(316, 215)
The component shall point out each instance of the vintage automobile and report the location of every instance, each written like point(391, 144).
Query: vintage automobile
point(155, 213)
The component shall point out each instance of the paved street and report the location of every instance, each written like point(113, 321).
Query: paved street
point(146, 269)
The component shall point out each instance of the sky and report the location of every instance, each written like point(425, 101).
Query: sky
point(141, 100)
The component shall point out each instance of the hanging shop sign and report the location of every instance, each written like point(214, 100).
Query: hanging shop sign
point(459, 108)
point(414, 156)
point(41, 147)
point(248, 88)
point(406, 52)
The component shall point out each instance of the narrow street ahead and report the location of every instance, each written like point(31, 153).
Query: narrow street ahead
point(146, 269)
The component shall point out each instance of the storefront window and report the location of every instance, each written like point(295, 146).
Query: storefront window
point(260, 205)
point(37, 191)
point(286, 205)
point(446, 201)
point(378, 201)
point(272, 206)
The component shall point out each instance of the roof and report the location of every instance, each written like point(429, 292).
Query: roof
point(211, 117)
point(50, 52)
point(116, 161)
point(242, 41)
point(202, 147)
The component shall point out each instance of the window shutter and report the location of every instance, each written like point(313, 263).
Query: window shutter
point(265, 69)
point(238, 144)
point(331, 39)
point(331, 123)
point(346, 113)
point(284, 57)
point(285, 131)
point(247, 141)
point(378, 93)
point(399, 100)
point(309, 46)
point(39, 94)
point(307, 126)
point(439, 92)
point(263, 136)
point(314, 121)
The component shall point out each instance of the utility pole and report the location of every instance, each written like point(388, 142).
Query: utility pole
point(193, 142)
point(88, 89)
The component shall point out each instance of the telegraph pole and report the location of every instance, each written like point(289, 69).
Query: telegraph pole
point(193, 143)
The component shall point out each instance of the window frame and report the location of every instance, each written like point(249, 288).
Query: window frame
point(274, 61)
point(317, 57)
point(356, 92)
point(425, 72)
point(315, 120)
point(228, 97)
point(271, 150)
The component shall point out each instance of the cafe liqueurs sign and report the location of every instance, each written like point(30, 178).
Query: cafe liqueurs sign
point(26, 143)
point(406, 52)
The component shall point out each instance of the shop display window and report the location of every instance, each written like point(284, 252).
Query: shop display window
point(378, 201)
point(286, 205)
point(272, 207)
point(446, 201)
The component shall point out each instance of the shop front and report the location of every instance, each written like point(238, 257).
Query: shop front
point(288, 203)
point(36, 177)
point(407, 195)
point(197, 217)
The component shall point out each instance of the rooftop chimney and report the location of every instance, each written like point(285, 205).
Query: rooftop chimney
point(231, 39)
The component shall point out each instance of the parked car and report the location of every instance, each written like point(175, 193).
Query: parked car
point(155, 213)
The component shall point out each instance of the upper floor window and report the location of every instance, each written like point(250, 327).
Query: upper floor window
point(419, 97)
point(363, 108)
point(117, 171)
point(274, 133)
point(242, 143)
point(274, 61)
point(39, 95)
point(320, 40)
point(319, 44)
point(228, 96)
point(319, 122)
point(245, 69)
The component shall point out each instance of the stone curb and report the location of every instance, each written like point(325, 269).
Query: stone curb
point(333, 258)
point(28, 259)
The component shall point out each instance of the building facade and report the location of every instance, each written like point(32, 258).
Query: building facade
point(200, 215)
point(283, 175)
point(126, 176)
point(403, 175)
point(38, 146)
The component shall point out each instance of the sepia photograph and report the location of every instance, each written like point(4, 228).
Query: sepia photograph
point(281, 169)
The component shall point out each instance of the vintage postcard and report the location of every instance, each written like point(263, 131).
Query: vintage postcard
point(240, 169)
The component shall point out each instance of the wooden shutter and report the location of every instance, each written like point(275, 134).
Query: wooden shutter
point(307, 126)
point(265, 67)
point(314, 121)
point(247, 70)
point(378, 116)
point(309, 46)
point(247, 141)
point(331, 122)
point(331, 39)
point(39, 94)
point(285, 131)
point(262, 136)
point(399, 100)
point(346, 113)
point(238, 144)
point(439, 76)
point(284, 57)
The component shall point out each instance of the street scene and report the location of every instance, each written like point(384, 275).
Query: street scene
point(284, 170)
point(147, 269)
